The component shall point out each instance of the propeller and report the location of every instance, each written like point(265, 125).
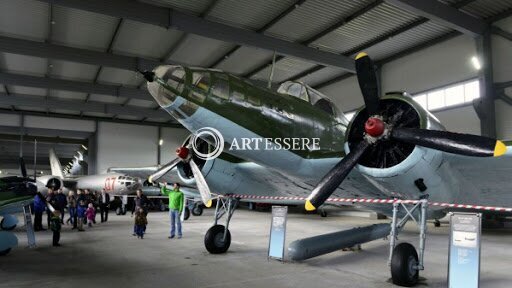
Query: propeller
point(185, 156)
point(376, 130)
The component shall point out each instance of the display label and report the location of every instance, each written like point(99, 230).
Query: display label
point(464, 259)
point(277, 232)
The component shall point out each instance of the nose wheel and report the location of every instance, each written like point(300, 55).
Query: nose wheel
point(218, 238)
point(403, 259)
point(403, 265)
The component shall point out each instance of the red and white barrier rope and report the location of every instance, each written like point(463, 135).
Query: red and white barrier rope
point(379, 201)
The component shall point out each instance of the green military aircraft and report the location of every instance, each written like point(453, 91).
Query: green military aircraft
point(293, 146)
point(15, 193)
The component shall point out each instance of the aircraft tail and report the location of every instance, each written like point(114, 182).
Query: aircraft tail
point(55, 164)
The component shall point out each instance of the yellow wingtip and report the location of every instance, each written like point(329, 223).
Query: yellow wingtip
point(309, 206)
point(208, 204)
point(150, 179)
point(500, 149)
point(361, 55)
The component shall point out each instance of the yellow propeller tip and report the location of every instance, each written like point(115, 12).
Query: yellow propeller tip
point(500, 149)
point(309, 206)
point(208, 204)
point(361, 55)
point(150, 179)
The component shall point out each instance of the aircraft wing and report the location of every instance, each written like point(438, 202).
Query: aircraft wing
point(140, 172)
point(15, 205)
point(486, 180)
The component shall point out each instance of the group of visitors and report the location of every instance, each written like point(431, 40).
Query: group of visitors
point(83, 205)
point(82, 209)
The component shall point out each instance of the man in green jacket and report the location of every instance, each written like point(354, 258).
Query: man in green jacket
point(175, 207)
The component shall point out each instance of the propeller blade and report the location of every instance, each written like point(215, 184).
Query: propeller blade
point(202, 186)
point(367, 78)
point(456, 143)
point(162, 171)
point(23, 168)
point(333, 179)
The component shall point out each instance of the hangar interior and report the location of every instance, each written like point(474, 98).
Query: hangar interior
point(68, 72)
point(69, 80)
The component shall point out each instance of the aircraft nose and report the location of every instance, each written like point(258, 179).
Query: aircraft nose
point(168, 84)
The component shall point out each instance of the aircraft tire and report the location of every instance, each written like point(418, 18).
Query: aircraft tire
point(213, 240)
point(403, 261)
point(323, 213)
point(197, 210)
point(187, 214)
point(5, 252)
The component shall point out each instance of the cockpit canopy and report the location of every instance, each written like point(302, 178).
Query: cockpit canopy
point(315, 98)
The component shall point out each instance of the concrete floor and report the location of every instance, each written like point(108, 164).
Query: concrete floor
point(108, 256)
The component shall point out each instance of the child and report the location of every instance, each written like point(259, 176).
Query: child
point(140, 223)
point(55, 225)
point(89, 214)
point(81, 214)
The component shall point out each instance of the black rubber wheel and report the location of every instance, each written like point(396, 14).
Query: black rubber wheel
point(437, 223)
point(403, 271)
point(6, 228)
point(5, 252)
point(323, 213)
point(119, 211)
point(187, 214)
point(213, 240)
point(197, 210)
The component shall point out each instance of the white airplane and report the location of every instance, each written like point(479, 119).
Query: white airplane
point(115, 184)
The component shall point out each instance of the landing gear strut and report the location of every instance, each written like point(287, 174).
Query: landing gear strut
point(218, 238)
point(403, 259)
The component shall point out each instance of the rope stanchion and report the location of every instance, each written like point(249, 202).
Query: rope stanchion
point(380, 201)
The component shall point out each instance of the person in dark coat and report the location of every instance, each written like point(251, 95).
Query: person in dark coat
point(62, 202)
point(39, 207)
point(104, 202)
point(141, 201)
point(72, 205)
point(52, 200)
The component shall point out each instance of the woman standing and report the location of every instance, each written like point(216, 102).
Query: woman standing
point(72, 203)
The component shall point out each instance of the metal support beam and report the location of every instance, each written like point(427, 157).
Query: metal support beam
point(90, 118)
point(445, 14)
point(169, 18)
point(262, 29)
point(484, 106)
point(77, 105)
point(45, 132)
point(500, 32)
point(500, 94)
point(53, 51)
point(315, 37)
point(158, 146)
point(76, 86)
point(43, 139)
point(92, 146)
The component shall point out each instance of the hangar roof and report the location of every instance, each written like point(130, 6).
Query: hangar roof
point(78, 58)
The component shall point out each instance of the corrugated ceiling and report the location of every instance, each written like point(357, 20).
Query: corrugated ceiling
point(30, 19)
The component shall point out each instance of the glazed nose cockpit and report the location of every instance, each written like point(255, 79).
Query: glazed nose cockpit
point(173, 77)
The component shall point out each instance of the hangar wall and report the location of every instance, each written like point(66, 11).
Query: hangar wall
point(440, 65)
point(117, 144)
